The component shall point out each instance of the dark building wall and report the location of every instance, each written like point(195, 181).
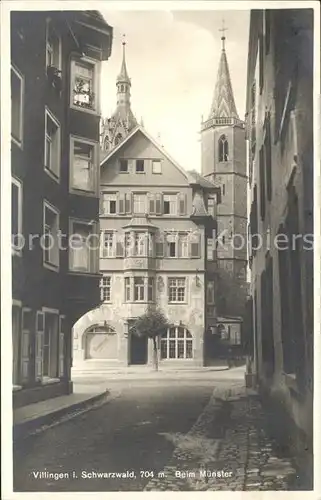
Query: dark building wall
point(33, 284)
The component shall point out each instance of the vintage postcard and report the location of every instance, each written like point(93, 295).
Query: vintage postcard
point(160, 275)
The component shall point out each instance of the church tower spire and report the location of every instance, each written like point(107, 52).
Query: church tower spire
point(122, 121)
point(224, 163)
point(223, 104)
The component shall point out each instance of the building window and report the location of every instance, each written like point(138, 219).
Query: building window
point(50, 346)
point(210, 249)
point(151, 288)
point(52, 144)
point(139, 203)
point(177, 343)
point(123, 165)
point(50, 244)
point(127, 290)
point(82, 251)
point(109, 203)
point(140, 166)
point(222, 148)
point(53, 47)
point(210, 293)
point(83, 85)
point(107, 244)
point(17, 93)
point(105, 288)
point(170, 204)
point(183, 245)
point(176, 289)
point(211, 206)
point(156, 166)
point(83, 170)
point(139, 289)
point(16, 213)
point(140, 244)
point(171, 245)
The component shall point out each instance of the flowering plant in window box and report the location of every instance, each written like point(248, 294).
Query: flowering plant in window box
point(83, 95)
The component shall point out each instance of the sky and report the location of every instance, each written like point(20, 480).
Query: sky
point(172, 59)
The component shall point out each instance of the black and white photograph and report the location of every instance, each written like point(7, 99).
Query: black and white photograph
point(159, 270)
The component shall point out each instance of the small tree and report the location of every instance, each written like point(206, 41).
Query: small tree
point(153, 324)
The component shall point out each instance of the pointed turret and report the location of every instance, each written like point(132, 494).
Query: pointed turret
point(122, 121)
point(123, 75)
point(223, 104)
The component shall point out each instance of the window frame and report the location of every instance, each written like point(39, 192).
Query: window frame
point(139, 287)
point(143, 163)
point(186, 339)
point(106, 202)
point(111, 249)
point(95, 171)
point(94, 252)
point(95, 84)
point(55, 174)
point(144, 194)
point(18, 183)
point(105, 287)
point(223, 147)
point(19, 140)
point(177, 287)
point(50, 265)
point(49, 25)
point(160, 164)
point(122, 161)
point(174, 200)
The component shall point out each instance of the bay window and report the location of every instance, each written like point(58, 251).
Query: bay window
point(84, 83)
point(83, 171)
point(52, 144)
point(83, 247)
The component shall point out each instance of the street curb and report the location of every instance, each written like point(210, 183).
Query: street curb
point(24, 429)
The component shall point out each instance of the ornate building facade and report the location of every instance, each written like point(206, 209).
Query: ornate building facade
point(155, 221)
point(224, 163)
point(122, 121)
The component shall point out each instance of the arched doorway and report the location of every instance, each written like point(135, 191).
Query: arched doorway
point(177, 343)
point(101, 342)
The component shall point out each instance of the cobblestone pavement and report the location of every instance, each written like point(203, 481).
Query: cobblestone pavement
point(172, 437)
point(226, 449)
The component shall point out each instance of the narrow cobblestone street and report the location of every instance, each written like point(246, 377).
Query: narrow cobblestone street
point(182, 436)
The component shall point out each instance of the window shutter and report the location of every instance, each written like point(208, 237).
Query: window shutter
point(26, 326)
point(119, 246)
point(121, 203)
point(195, 244)
point(159, 204)
point(159, 246)
point(40, 324)
point(61, 361)
point(101, 203)
point(128, 203)
point(152, 203)
point(182, 203)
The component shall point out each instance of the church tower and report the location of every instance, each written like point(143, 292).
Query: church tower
point(224, 163)
point(122, 121)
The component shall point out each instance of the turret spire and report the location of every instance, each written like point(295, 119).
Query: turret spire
point(122, 121)
point(123, 75)
point(223, 105)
